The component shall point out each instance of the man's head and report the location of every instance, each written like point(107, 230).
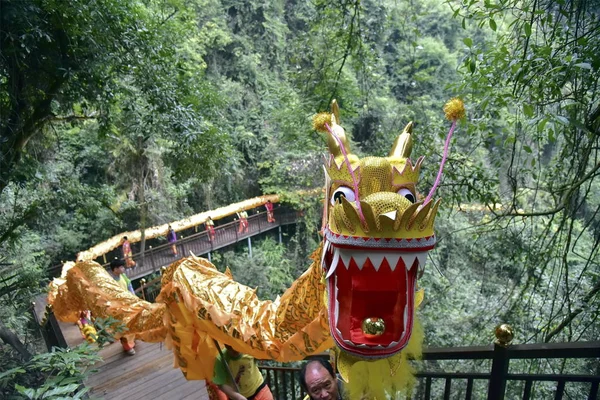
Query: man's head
point(117, 266)
point(232, 352)
point(318, 379)
point(125, 238)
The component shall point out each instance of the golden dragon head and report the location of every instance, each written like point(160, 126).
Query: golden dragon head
point(376, 238)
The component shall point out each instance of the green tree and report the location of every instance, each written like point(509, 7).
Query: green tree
point(535, 122)
point(77, 68)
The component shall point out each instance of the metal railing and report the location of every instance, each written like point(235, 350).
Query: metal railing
point(155, 257)
point(283, 381)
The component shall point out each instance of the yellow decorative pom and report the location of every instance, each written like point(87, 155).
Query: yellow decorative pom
point(454, 109)
point(319, 121)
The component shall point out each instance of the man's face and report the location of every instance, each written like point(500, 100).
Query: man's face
point(320, 384)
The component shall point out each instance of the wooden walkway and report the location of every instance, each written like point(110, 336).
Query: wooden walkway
point(200, 245)
point(149, 374)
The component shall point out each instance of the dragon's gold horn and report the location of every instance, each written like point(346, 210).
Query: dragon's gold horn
point(403, 144)
point(332, 143)
point(335, 109)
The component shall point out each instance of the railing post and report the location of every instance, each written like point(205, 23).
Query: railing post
point(258, 219)
point(235, 230)
point(152, 262)
point(500, 361)
point(182, 245)
point(143, 286)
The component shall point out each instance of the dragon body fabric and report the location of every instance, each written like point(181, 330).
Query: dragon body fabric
point(358, 296)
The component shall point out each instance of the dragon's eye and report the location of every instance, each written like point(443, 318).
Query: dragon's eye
point(342, 191)
point(408, 194)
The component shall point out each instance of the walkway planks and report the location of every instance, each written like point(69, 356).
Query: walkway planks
point(149, 374)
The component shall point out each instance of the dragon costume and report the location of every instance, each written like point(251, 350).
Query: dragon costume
point(358, 296)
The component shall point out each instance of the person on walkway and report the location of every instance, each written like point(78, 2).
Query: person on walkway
point(269, 207)
point(246, 375)
point(319, 381)
point(210, 228)
point(127, 254)
point(172, 238)
point(243, 216)
point(117, 268)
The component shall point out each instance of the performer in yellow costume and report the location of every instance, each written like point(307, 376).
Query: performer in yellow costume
point(358, 296)
point(248, 381)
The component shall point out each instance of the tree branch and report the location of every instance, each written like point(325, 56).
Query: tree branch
point(573, 313)
point(8, 337)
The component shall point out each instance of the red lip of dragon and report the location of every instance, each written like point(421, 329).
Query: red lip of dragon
point(376, 239)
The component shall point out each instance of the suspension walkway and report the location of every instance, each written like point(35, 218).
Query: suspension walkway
point(199, 244)
point(190, 241)
point(150, 374)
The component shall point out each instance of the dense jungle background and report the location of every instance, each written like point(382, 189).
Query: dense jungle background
point(119, 115)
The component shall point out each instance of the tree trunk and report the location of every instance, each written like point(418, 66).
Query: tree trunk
point(142, 199)
point(13, 340)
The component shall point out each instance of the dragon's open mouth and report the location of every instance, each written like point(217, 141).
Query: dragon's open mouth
point(366, 274)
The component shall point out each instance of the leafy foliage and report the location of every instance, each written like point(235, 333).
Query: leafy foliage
point(55, 375)
point(268, 270)
point(120, 115)
point(534, 80)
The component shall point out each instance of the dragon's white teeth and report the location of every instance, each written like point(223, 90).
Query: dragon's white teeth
point(337, 305)
point(337, 311)
point(409, 260)
point(376, 260)
point(392, 259)
point(324, 252)
point(334, 263)
point(406, 280)
point(346, 257)
point(422, 260)
point(359, 259)
point(367, 346)
point(405, 315)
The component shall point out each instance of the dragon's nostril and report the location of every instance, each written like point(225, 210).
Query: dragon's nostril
point(385, 202)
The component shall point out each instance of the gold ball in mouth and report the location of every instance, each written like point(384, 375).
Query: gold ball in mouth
point(373, 326)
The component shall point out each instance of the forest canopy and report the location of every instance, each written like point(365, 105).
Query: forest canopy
point(120, 115)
